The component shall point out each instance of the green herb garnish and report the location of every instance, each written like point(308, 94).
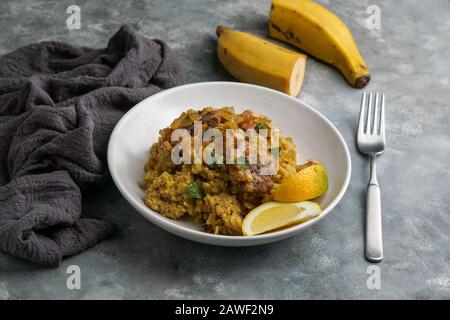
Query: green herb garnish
point(193, 191)
point(242, 162)
point(214, 161)
point(261, 126)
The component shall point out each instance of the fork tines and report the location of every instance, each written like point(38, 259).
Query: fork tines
point(371, 116)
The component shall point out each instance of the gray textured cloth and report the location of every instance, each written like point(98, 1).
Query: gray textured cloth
point(58, 106)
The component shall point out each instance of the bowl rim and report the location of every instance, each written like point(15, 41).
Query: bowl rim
point(168, 224)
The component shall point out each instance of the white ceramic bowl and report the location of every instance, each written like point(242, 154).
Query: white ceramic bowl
point(315, 137)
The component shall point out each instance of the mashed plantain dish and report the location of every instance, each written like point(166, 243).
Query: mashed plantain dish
point(224, 186)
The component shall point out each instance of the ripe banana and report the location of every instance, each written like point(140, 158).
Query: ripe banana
point(254, 60)
point(317, 31)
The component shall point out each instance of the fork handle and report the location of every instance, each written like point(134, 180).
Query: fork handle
point(374, 242)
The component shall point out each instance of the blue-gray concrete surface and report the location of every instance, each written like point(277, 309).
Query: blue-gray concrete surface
point(409, 61)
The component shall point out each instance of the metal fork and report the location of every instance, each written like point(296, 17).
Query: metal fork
point(371, 141)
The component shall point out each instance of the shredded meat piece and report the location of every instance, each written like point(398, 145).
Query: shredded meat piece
point(247, 123)
point(167, 146)
point(305, 165)
point(260, 185)
point(165, 134)
point(212, 118)
point(236, 175)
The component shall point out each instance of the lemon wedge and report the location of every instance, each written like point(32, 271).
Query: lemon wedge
point(308, 183)
point(274, 215)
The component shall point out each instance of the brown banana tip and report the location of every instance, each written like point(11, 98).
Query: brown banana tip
point(361, 82)
point(219, 30)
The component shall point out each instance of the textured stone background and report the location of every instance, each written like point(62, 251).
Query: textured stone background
point(409, 60)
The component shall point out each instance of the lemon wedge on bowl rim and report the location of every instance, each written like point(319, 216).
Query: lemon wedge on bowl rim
point(274, 215)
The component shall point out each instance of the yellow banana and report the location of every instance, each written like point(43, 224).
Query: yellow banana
point(317, 31)
point(254, 60)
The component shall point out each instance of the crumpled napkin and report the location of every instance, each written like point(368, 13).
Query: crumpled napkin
point(58, 106)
